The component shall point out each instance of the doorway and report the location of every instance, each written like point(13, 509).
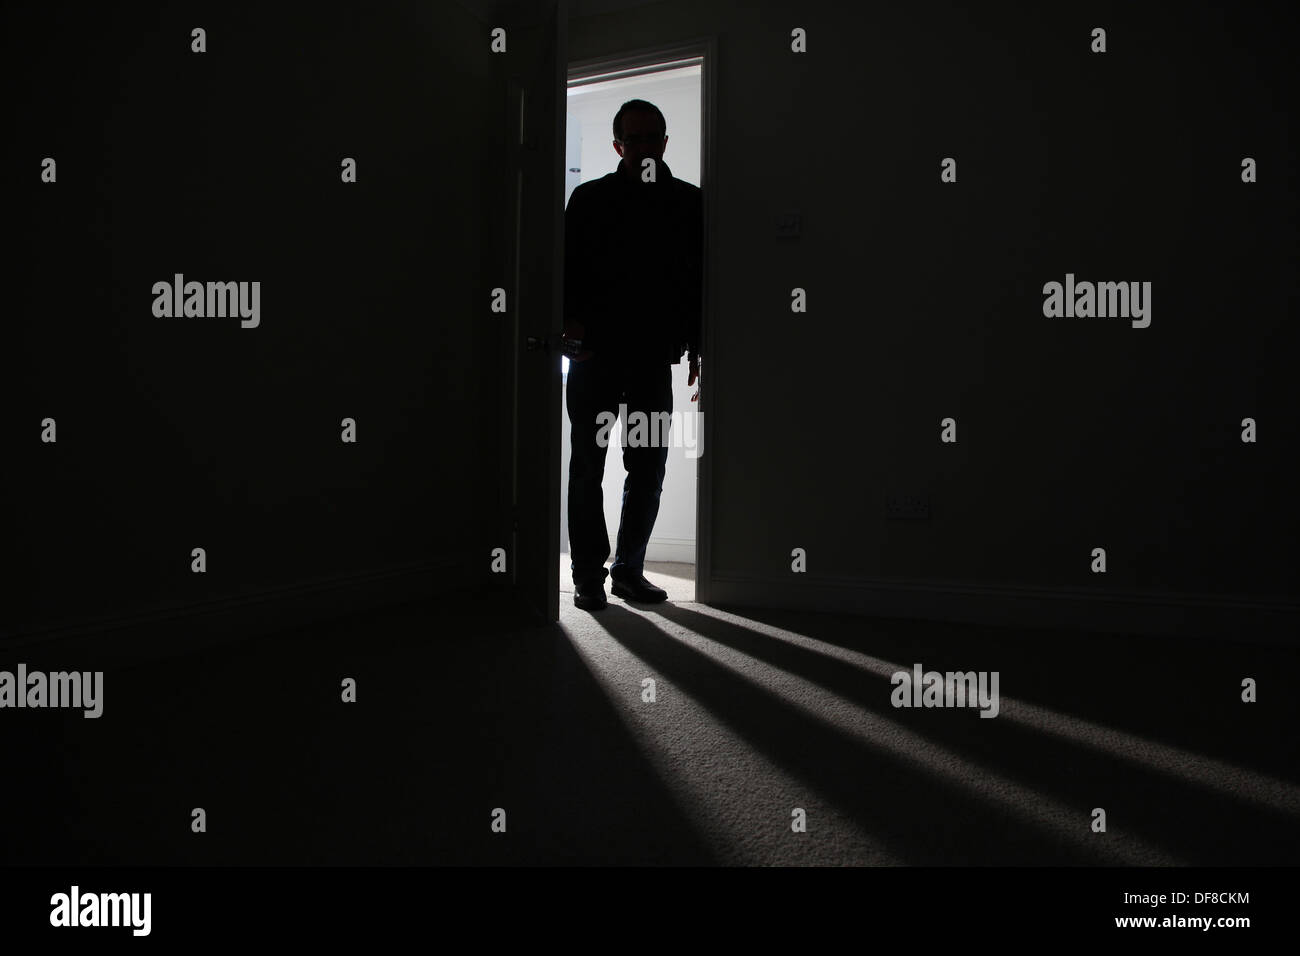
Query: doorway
point(675, 81)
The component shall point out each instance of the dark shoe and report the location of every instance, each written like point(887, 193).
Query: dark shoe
point(590, 596)
point(638, 589)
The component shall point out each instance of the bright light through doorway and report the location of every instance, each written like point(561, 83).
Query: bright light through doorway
point(590, 154)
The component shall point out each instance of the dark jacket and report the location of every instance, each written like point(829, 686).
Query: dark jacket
point(633, 261)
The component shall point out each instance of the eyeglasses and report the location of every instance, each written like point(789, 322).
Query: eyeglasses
point(634, 140)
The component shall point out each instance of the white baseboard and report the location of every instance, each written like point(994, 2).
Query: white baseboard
point(681, 550)
point(670, 549)
point(1248, 618)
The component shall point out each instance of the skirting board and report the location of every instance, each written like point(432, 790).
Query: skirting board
point(1232, 618)
point(681, 550)
point(179, 629)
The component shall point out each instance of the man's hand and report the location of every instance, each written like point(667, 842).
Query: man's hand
point(693, 367)
point(574, 330)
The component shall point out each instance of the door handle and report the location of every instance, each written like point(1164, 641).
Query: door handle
point(533, 343)
point(554, 340)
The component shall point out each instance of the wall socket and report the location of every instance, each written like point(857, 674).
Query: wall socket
point(907, 506)
point(789, 225)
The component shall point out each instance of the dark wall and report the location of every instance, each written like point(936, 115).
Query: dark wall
point(176, 433)
point(925, 298)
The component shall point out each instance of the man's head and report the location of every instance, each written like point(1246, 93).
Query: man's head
point(639, 131)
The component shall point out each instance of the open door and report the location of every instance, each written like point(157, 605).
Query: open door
point(537, 115)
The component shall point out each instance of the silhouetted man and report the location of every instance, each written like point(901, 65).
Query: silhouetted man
point(633, 252)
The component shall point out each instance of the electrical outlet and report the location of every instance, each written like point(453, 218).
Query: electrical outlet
point(907, 506)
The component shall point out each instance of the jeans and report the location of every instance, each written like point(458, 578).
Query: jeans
point(600, 384)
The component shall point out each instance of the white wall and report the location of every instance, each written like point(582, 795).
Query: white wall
point(590, 119)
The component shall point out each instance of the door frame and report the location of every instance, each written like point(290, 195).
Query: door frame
point(535, 116)
point(635, 63)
